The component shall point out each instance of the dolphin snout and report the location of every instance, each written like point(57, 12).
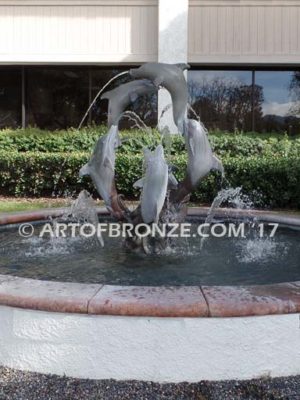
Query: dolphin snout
point(133, 72)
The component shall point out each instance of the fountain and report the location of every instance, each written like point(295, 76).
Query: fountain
point(214, 308)
point(161, 192)
point(163, 204)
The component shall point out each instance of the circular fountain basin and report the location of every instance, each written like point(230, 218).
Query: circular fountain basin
point(167, 331)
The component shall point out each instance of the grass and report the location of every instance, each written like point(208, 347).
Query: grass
point(11, 204)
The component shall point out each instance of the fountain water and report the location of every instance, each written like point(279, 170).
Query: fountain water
point(84, 210)
point(222, 196)
point(98, 94)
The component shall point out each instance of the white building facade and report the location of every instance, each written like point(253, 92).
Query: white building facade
point(237, 44)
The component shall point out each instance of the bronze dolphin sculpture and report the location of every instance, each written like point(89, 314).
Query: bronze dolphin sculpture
point(171, 77)
point(120, 97)
point(201, 159)
point(101, 168)
point(154, 184)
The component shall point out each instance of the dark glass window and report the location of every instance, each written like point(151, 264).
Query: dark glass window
point(58, 97)
point(281, 99)
point(222, 99)
point(10, 97)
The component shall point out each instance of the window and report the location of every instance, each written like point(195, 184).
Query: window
point(263, 101)
point(56, 97)
point(281, 101)
point(10, 97)
point(222, 99)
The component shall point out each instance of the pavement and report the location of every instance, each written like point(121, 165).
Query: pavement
point(19, 385)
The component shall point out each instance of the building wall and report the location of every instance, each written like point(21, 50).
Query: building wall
point(245, 31)
point(115, 31)
point(96, 31)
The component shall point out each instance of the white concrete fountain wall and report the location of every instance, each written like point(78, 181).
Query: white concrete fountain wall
point(156, 349)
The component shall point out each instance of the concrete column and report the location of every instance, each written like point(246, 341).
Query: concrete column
point(172, 48)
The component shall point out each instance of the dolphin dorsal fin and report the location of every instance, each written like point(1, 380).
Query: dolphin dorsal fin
point(106, 95)
point(107, 163)
point(139, 184)
point(133, 96)
point(85, 170)
point(183, 66)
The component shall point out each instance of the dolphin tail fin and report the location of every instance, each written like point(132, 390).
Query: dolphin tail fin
point(217, 165)
point(85, 170)
point(139, 184)
point(183, 66)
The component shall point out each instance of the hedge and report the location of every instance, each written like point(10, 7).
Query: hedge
point(224, 144)
point(268, 180)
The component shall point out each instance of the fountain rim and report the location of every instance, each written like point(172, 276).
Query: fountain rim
point(151, 301)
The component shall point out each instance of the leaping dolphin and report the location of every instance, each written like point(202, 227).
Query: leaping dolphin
point(122, 96)
point(201, 159)
point(171, 77)
point(101, 166)
point(154, 185)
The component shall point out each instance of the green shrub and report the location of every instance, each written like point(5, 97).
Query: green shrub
point(225, 144)
point(70, 140)
point(275, 178)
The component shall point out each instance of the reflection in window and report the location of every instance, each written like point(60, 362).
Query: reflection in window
point(223, 99)
point(144, 106)
point(57, 98)
point(281, 105)
point(10, 97)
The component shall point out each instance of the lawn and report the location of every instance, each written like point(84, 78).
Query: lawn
point(11, 204)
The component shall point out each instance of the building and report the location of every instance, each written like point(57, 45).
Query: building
point(245, 58)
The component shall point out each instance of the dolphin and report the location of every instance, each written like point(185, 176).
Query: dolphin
point(201, 159)
point(154, 185)
point(171, 77)
point(122, 96)
point(101, 166)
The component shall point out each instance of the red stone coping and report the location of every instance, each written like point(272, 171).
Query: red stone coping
point(144, 301)
point(38, 215)
point(291, 219)
point(184, 301)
